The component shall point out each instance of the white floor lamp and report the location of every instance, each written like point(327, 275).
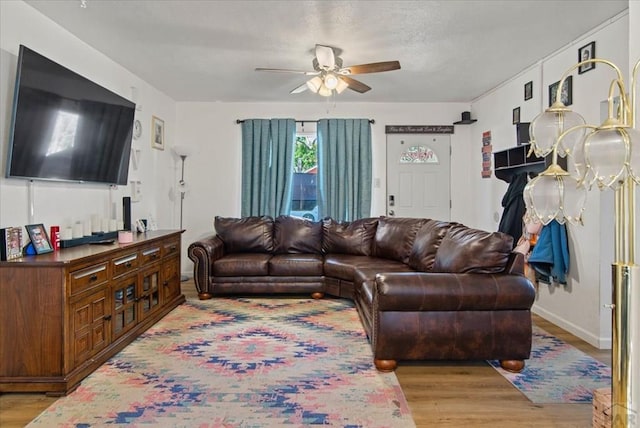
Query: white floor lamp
point(182, 152)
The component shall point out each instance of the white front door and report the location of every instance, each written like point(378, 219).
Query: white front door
point(418, 175)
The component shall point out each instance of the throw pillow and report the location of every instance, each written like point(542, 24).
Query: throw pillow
point(426, 243)
point(245, 235)
point(394, 237)
point(467, 250)
point(354, 237)
point(293, 235)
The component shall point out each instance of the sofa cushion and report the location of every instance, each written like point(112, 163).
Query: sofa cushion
point(245, 235)
point(242, 264)
point(293, 235)
point(296, 265)
point(394, 237)
point(467, 250)
point(354, 237)
point(342, 266)
point(426, 243)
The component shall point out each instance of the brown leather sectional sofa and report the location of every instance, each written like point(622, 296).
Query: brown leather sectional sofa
point(424, 289)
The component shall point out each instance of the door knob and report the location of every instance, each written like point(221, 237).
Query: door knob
point(392, 212)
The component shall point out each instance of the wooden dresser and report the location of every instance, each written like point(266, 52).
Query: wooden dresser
point(64, 314)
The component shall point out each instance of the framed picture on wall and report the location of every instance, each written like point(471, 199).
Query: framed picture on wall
point(567, 96)
point(528, 90)
point(157, 133)
point(586, 52)
point(516, 115)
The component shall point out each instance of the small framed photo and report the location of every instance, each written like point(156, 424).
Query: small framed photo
point(10, 243)
point(567, 96)
point(586, 52)
point(528, 90)
point(39, 238)
point(516, 115)
point(157, 133)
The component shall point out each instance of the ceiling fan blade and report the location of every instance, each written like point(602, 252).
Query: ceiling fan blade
point(355, 85)
point(286, 70)
point(374, 67)
point(299, 89)
point(326, 57)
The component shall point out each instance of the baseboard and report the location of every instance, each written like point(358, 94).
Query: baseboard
point(598, 342)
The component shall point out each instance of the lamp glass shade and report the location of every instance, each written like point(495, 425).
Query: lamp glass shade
point(324, 91)
point(330, 81)
point(547, 127)
point(181, 151)
point(605, 153)
point(634, 156)
point(555, 197)
point(314, 84)
point(342, 85)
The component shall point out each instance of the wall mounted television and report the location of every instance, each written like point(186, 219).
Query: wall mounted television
point(65, 127)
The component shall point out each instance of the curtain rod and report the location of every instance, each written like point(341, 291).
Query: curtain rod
point(372, 121)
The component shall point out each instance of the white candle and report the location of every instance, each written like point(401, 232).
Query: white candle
point(105, 225)
point(113, 225)
point(95, 223)
point(67, 234)
point(78, 230)
point(87, 228)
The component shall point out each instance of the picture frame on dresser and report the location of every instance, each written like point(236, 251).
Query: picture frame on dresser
point(39, 238)
point(10, 243)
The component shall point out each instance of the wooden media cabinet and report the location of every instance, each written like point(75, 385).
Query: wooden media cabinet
point(64, 314)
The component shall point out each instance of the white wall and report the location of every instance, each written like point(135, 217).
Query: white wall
point(213, 171)
point(64, 203)
point(577, 306)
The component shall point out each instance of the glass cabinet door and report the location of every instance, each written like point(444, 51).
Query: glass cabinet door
point(124, 305)
point(149, 293)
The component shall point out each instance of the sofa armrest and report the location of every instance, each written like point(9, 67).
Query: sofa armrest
point(203, 253)
point(421, 291)
point(515, 264)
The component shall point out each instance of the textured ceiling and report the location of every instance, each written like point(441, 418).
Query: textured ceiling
point(450, 51)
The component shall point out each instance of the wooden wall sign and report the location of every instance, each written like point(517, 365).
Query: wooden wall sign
point(418, 129)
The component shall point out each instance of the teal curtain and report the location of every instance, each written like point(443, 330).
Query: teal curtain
point(267, 166)
point(344, 168)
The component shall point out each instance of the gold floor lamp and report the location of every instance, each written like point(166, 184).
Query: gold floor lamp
point(608, 156)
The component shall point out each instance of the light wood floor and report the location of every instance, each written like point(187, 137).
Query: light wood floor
point(439, 394)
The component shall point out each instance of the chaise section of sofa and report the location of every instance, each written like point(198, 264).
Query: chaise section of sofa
point(424, 289)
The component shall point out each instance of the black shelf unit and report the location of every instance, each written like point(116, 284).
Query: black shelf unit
point(510, 162)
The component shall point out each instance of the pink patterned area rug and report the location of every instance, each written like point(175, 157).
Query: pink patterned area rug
point(247, 362)
point(558, 372)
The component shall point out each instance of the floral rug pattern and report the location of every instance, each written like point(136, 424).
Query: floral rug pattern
point(241, 363)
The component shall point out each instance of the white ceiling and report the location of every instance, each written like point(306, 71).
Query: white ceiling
point(450, 51)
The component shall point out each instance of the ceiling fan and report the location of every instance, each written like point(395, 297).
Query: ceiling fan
point(330, 75)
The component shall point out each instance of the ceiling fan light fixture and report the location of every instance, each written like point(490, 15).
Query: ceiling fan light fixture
point(330, 81)
point(314, 84)
point(342, 85)
point(324, 91)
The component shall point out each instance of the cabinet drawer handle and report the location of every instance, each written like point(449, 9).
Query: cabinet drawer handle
point(126, 260)
point(93, 277)
point(92, 272)
point(128, 265)
point(166, 283)
point(107, 318)
point(173, 248)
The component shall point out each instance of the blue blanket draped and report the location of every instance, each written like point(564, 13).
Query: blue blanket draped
point(550, 255)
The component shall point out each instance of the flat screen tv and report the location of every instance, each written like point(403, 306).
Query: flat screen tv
point(65, 127)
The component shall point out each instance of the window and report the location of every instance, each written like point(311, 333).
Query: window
point(305, 173)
